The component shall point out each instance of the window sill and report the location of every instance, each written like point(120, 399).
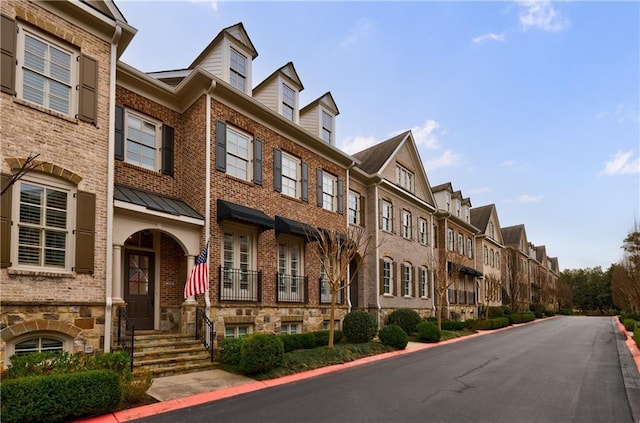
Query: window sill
point(407, 297)
point(44, 110)
point(41, 273)
point(243, 181)
point(388, 295)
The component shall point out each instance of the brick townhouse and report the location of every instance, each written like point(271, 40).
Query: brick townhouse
point(57, 79)
point(457, 237)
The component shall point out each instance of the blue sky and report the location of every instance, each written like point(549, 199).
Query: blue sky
point(532, 106)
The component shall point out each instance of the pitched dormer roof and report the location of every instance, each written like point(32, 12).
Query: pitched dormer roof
point(288, 71)
point(443, 187)
point(326, 100)
point(235, 32)
point(373, 158)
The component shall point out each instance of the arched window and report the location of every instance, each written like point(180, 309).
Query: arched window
point(40, 344)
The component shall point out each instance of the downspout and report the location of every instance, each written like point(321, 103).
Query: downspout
point(377, 256)
point(346, 218)
point(207, 191)
point(110, 181)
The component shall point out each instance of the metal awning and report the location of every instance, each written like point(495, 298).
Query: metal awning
point(289, 226)
point(156, 202)
point(470, 271)
point(227, 210)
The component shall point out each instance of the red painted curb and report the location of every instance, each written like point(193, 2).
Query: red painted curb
point(631, 344)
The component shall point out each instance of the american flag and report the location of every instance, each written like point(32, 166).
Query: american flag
point(197, 282)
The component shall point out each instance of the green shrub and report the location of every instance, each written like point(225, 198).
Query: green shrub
point(506, 310)
point(633, 316)
point(230, 350)
point(406, 318)
point(394, 336)
point(636, 336)
point(359, 326)
point(499, 322)
point(62, 362)
point(452, 325)
point(260, 353)
point(528, 317)
point(298, 341)
point(322, 337)
point(549, 313)
point(428, 332)
point(521, 318)
point(59, 397)
point(496, 312)
point(538, 314)
point(629, 324)
point(482, 324)
point(565, 311)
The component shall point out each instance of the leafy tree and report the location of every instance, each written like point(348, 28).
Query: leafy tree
point(625, 276)
point(590, 288)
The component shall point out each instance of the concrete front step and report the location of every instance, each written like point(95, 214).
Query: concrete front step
point(178, 369)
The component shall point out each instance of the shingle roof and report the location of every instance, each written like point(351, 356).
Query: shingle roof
point(372, 159)
point(480, 216)
point(511, 235)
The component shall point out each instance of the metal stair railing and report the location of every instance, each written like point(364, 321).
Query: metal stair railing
point(204, 331)
point(126, 331)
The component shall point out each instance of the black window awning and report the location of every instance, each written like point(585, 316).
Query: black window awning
point(289, 226)
point(470, 271)
point(153, 201)
point(231, 211)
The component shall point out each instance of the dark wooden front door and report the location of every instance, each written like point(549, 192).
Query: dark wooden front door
point(353, 287)
point(138, 288)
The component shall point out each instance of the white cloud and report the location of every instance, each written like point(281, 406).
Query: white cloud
point(351, 145)
point(508, 163)
point(426, 135)
point(213, 4)
point(541, 15)
point(488, 37)
point(481, 190)
point(447, 159)
point(622, 163)
point(361, 29)
point(526, 198)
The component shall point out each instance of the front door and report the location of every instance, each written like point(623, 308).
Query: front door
point(138, 288)
point(353, 287)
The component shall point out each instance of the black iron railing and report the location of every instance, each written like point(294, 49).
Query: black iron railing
point(239, 284)
point(292, 289)
point(205, 332)
point(126, 332)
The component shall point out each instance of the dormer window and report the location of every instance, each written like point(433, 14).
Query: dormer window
point(404, 178)
point(327, 127)
point(238, 70)
point(288, 102)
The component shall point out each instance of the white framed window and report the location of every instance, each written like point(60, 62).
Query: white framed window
point(236, 331)
point(491, 230)
point(239, 278)
point(386, 216)
point(498, 260)
point(404, 178)
point(485, 251)
point(457, 208)
point(290, 270)
point(238, 70)
point(460, 244)
point(450, 239)
point(424, 282)
point(406, 224)
point(44, 210)
point(288, 102)
point(290, 175)
point(143, 138)
point(354, 207)
point(447, 200)
point(329, 191)
point(423, 231)
point(39, 341)
point(326, 325)
point(387, 276)
point(327, 127)
point(239, 153)
point(469, 248)
point(406, 279)
point(47, 72)
point(290, 328)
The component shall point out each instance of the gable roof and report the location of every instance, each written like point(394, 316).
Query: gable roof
point(326, 100)
point(480, 216)
point(288, 71)
point(235, 32)
point(513, 234)
point(443, 187)
point(373, 158)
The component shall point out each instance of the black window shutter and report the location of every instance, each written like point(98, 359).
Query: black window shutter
point(85, 232)
point(305, 181)
point(119, 133)
point(362, 209)
point(257, 162)
point(88, 102)
point(8, 61)
point(168, 134)
point(414, 279)
point(319, 187)
point(277, 170)
point(340, 196)
point(5, 222)
point(395, 278)
point(221, 146)
point(381, 276)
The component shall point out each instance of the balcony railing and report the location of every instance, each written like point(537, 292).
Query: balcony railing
point(325, 293)
point(292, 289)
point(239, 284)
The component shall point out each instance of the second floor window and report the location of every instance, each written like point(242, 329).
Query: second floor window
point(450, 239)
point(290, 178)
point(423, 231)
point(469, 248)
point(142, 142)
point(238, 70)
point(288, 102)
point(329, 193)
point(238, 154)
point(406, 224)
point(460, 244)
point(386, 216)
point(354, 208)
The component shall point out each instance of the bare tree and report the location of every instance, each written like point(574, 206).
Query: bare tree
point(28, 165)
point(516, 282)
point(493, 287)
point(335, 252)
point(625, 276)
point(443, 280)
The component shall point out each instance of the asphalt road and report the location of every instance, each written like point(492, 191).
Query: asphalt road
point(564, 369)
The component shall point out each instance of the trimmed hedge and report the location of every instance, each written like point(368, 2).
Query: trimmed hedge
point(359, 326)
point(549, 313)
point(428, 332)
point(62, 362)
point(59, 397)
point(452, 325)
point(394, 336)
point(521, 318)
point(565, 312)
point(406, 318)
point(630, 324)
point(495, 323)
point(260, 353)
point(636, 336)
point(308, 340)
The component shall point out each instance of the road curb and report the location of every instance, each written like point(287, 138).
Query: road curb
point(629, 356)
